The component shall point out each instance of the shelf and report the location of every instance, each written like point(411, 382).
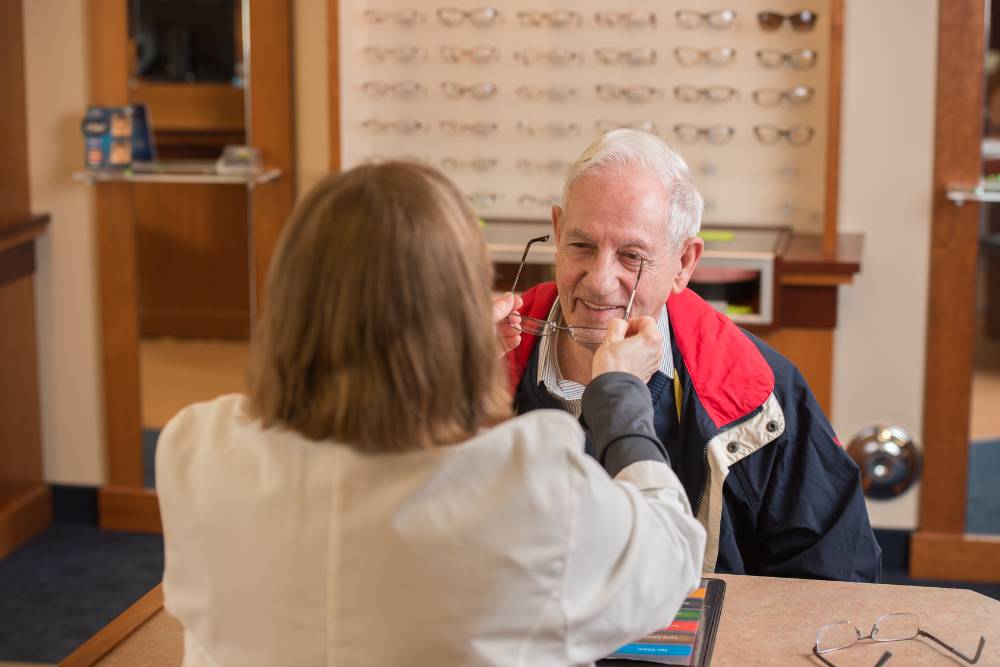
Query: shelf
point(23, 231)
point(978, 194)
point(90, 177)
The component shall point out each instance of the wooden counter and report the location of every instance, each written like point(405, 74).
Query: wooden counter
point(765, 622)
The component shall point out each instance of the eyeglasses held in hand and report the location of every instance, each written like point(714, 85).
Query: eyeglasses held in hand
point(590, 337)
point(802, 21)
point(888, 628)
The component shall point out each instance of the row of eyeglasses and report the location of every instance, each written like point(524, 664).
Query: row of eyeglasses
point(803, 20)
point(636, 93)
point(685, 56)
point(796, 135)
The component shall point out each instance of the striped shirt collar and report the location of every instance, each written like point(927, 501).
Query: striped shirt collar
point(570, 393)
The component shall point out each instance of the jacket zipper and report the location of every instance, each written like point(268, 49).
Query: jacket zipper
point(704, 454)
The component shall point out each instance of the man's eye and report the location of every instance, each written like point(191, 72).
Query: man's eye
point(579, 246)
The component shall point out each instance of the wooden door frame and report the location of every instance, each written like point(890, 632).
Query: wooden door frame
point(123, 502)
point(940, 548)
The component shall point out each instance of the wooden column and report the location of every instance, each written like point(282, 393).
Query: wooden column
point(25, 499)
point(270, 129)
point(940, 549)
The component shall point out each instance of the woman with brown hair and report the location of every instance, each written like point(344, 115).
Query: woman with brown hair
point(372, 501)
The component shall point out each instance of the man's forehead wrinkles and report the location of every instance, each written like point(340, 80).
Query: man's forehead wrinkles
point(622, 242)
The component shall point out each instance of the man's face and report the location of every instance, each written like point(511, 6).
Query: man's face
point(612, 219)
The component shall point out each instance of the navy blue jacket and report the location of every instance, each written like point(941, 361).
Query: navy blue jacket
point(760, 463)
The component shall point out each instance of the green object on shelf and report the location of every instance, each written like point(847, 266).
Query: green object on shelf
point(733, 309)
point(716, 235)
point(482, 223)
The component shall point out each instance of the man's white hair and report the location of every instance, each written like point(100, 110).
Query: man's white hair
point(623, 148)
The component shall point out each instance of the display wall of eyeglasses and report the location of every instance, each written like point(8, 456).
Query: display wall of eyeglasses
point(503, 96)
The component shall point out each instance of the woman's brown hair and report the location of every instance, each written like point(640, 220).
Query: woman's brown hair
point(377, 328)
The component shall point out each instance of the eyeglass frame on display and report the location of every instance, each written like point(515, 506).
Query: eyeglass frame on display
point(785, 95)
point(705, 94)
point(613, 56)
point(795, 19)
point(706, 19)
point(480, 91)
point(873, 635)
point(705, 56)
point(537, 18)
point(380, 53)
point(705, 132)
point(633, 18)
point(785, 134)
point(456, 54)
point(787, 58)
point(529, 57)
point(470, 15)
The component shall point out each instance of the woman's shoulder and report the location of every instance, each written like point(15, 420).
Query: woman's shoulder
point(548, 430)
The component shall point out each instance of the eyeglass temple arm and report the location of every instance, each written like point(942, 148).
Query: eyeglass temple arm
point(881, 661)
point(517, 276)
point(631, 298)
point(971, 661)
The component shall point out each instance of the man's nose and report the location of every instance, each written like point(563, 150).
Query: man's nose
point(602, 277)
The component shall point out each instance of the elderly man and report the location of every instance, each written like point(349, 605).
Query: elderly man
point(759, 461)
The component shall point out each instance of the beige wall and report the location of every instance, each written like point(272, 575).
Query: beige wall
point(886, 163)
point(66, 297)
point(885, 191)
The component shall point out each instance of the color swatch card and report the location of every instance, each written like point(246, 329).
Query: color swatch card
point(687, 640)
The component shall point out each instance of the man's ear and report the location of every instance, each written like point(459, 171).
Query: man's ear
point(690, 254)
point(557, 214)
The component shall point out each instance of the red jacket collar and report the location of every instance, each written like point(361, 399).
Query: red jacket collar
point(728, 372)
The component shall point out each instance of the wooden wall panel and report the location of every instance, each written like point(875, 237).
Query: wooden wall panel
point(25, 501)
point(192, 267)
point(14, 204)
point(203, 107)
point(271, 128)
point(20, 430)
point(107, 25)
point(834, 86)
point(954, 248)
point(812, 351)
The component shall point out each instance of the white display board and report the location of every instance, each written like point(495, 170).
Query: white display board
point(487, 104)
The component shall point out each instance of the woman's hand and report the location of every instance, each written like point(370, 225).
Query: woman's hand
point(503, 306)
point(635, 347)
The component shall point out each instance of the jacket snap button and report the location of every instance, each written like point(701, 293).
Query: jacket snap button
point(733, 447)
point(772, 426)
